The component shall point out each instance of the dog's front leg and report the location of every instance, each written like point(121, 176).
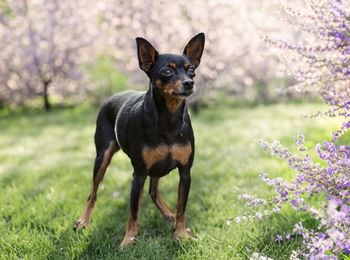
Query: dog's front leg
point(184, 189)
point(135, 206)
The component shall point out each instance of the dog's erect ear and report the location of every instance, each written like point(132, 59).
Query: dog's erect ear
point(194, 49)
point(146, 53)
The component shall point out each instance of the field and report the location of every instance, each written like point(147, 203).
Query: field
point(46, 162)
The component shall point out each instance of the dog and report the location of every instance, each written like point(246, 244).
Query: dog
point(154, 129)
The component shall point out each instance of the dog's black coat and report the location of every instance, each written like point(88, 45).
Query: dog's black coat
point(135, 119)
point(138, 122)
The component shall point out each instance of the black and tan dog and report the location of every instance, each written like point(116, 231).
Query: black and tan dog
point(154, 129)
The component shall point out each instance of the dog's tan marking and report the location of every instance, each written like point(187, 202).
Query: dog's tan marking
point(132, 226)
point(172, 87)
point(172, 65)
point(172, 102)
point(159, 202)
point(180, 223)
point(85, 218)
point(186, 65)
point(159, 83)
point(178, 152)
point(152, 155)
point(181, 153)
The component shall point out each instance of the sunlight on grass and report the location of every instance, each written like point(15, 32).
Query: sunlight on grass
point(46, 162)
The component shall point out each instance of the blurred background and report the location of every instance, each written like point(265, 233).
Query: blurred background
point(68, 52)
point(68, 56)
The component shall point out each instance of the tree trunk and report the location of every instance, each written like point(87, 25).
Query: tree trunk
point(47, 104)
point(195, 107)
point(263, 92)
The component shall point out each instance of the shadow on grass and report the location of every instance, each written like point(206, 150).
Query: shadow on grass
point(101, 240)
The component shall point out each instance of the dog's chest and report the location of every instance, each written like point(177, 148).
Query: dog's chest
point(166, 157)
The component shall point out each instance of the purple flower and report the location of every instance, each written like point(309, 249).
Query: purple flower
point(325, 64)
point(258, 215)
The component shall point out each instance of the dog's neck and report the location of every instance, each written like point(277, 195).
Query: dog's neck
point(164, 117)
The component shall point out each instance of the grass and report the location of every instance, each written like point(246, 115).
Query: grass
point(46, 162)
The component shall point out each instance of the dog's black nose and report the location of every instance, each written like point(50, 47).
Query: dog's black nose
point(188, 84)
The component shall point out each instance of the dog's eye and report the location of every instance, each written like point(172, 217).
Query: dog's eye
point(167, 72)
point(191, 71)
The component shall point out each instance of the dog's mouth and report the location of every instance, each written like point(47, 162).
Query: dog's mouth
point(183, 95)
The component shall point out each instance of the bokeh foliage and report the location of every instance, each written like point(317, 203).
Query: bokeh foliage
point(47, 46)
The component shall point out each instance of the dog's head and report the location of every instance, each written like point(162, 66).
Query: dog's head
point(171, 74)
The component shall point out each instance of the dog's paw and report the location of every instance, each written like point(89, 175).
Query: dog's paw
point(182, 233)
point(81, 223)
point(128, 240)
point(170, 218)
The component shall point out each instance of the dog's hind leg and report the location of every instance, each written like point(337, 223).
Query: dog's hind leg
point(160, 203)
point(106, 146)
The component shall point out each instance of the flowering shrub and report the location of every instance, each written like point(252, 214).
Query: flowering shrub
point(45, 44)
point(332, 180)
point(321, 62)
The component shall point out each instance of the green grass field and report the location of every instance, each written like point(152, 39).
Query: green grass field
point(46, 162)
